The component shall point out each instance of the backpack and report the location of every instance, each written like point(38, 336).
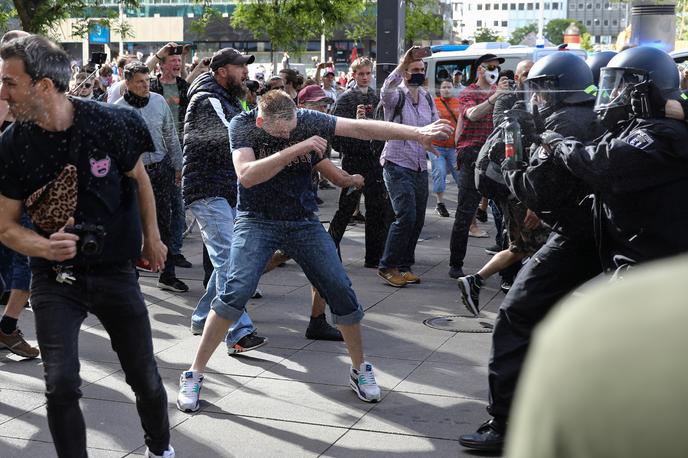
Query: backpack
point(488, 167)
point(379, 115)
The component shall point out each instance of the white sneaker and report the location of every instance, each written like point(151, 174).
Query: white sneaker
point(169, 453)
point(362, 381)
point(190, 384)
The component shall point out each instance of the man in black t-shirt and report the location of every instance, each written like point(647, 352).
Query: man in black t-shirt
point(114, 192)
point(275, 149)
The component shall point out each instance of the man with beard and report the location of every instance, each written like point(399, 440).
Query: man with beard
point(163, 164)
point(209, 180)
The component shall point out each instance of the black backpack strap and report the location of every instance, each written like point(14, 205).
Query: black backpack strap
point(398, 109)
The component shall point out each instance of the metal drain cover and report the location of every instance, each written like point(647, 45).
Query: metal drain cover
point(463, 323)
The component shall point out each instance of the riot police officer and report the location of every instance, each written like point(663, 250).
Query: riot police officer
point(638, 170)
point(560, 88)
point(597, 61)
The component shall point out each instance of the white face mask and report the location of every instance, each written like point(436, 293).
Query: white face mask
point(491, 76)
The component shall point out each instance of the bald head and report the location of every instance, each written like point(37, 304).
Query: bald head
point(522, 70)
point(13, 34)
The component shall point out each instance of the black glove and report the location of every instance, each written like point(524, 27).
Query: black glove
point(509, 165)
point(647, 101)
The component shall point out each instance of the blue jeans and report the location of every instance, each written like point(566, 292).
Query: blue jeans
point(306, 242)
point(408, 192)
point(177, 222)
point(216, 219)
point(442, 165)
point(14, 267)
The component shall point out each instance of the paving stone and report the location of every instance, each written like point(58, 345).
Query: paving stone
point(369, 444)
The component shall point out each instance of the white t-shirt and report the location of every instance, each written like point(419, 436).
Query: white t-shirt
point(115, 92)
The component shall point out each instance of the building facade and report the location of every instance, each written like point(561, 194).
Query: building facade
point(603, 19)
point(502, 16)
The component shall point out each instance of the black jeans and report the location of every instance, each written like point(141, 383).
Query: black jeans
point(378, 210)
point(162, 180)
point(556, 269)
point(114, 296)
point(468, 201)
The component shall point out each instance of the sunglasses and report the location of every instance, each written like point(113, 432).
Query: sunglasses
point(490, 67)
point(87, 85)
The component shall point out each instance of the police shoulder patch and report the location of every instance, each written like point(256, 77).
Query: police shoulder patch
point(639, 139)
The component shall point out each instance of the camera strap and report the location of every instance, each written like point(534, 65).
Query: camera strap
point(446, 105)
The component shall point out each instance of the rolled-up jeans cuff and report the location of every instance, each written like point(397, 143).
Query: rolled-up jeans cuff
point(225, 310)
point(354, 317)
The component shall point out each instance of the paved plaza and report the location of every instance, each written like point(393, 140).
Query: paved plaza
point(290, 398)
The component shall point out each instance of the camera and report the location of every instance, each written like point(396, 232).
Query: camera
point(90, 238)
point(177, 50)
point(512, 85)
point(98, 58)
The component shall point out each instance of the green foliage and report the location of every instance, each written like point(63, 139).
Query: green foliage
point(485, 34)
point(209, 14)
point(423, 20)
point(41, 16)
point(519, 34)
point(554, 29)
point(586, 42)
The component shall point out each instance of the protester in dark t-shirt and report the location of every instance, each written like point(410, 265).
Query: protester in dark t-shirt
point(275, 150)
point(104, 143)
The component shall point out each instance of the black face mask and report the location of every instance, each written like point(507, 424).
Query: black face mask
point(417, 79)
point(135, 101)
point(612, 117)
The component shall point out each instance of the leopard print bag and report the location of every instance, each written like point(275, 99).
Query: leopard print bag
point(54, 203)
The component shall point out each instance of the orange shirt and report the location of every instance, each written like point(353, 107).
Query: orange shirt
point(444, 114)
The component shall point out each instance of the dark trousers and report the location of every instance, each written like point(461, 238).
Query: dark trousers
point(162, 180)
point(408, 193)
point(115, 298)
point(378, 210)
point(560, 266)
point(467, 205)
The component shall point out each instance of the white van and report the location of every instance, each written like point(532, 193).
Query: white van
point(442, 65)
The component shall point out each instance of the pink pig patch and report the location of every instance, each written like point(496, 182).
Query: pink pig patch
point(100, 168)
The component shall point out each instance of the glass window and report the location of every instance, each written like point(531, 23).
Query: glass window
point(505, 24)
point(588, 22)
point(596, 21)
point(546, 6)
point(487, 6)
point(589, 6)
point(580, 6)
point(504, 6)
point(512, 6)
point(495, 6)
point(615, 22)
point(479, 24)
point(496, 23)
point(480, 6)
point(521, 6)
point(607, 6)
point(555, 6)
point(598, 6)
point(530, 6)
point(605, 22)
point(572, 6)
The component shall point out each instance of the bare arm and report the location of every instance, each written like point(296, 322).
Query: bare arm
point(317, 73)
point(27, 242)
point(251, 171)
point(365, 129)
point(154, 251)
point(338, 176)
point(674, 110)
point(478, 112)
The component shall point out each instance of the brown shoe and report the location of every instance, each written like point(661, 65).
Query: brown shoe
point(393, 277)
point(16, 344)
point(410, 277)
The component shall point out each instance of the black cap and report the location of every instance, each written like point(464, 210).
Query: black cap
point(229, 56)
point(488, 58)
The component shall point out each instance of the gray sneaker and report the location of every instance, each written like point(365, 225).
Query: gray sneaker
point(196, 328)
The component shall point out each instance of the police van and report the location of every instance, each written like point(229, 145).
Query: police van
point(443, 64)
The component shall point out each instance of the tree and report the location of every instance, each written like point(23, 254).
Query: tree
point(554, 30)
point(485, 34)
point(423, 20)
point(519, 34)
point(41, 16)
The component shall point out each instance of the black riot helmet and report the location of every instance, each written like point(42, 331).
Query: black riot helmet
point(561, 78)
point(627, 69)
point(597, 61)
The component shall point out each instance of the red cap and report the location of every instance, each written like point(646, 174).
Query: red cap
point(312, 94)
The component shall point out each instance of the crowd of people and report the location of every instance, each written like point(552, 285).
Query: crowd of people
point(582, 158)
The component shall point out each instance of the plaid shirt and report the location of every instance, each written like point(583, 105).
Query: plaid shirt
point(474, 133)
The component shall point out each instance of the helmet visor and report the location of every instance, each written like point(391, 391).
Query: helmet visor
point(541, 93)
point(616, 86)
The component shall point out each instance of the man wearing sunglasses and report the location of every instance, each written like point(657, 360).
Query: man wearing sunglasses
point(476, 105)
point(83, 86)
